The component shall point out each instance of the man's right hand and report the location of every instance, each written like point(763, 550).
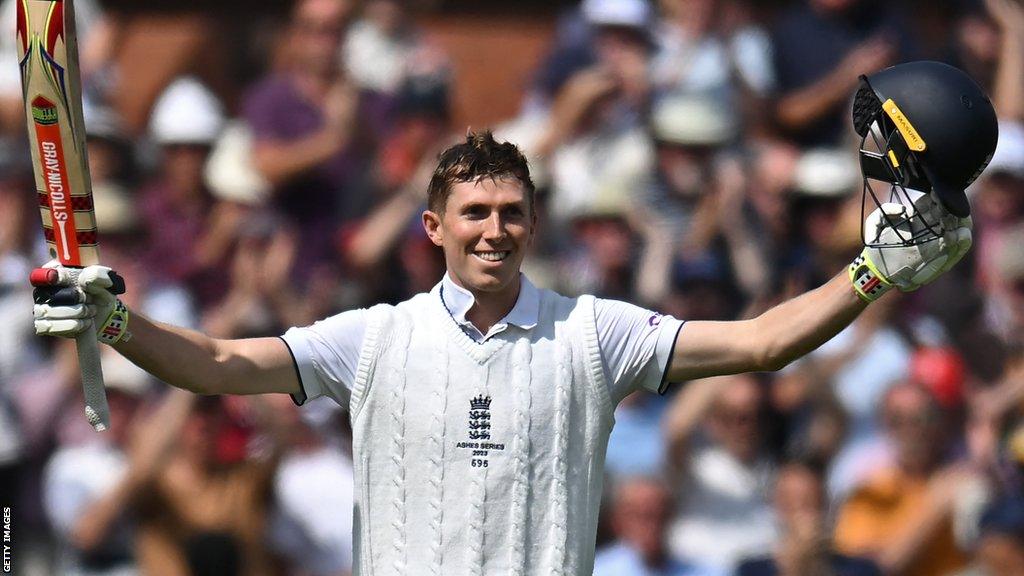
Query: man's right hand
point(70, 301)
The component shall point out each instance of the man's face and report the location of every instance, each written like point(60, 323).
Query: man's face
point(484, 230)
point(317, 30)
point(183, 167)
point(641, 516)
point(685, 169)
point(913, 424)
point(999, 198)
point(798, 497)
point(735, 418)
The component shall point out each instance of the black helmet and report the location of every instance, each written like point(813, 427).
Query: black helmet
point(932, 127)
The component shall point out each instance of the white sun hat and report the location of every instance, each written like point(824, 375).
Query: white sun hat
point(187, 112)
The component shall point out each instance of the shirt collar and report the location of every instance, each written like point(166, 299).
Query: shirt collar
point(524, 314)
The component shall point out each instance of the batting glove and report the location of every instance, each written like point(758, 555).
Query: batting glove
point(69, 301)
point(886, 261)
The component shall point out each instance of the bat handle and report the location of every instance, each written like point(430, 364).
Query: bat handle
point(96, 410)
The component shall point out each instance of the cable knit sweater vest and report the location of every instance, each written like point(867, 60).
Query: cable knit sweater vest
point(478, 458)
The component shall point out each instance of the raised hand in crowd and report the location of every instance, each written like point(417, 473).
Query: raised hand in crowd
point(1008, 89)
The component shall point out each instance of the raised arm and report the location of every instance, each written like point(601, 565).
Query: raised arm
point(769, 341)
point(193, 361)
point(183, 358)
point(794, 328)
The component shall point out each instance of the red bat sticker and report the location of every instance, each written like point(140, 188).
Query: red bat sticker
point(47, 123)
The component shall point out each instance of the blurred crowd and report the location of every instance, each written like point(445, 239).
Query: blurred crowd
point(692, 156)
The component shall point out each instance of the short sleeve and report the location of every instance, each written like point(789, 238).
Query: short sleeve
point(636, 345)
point(326, 356)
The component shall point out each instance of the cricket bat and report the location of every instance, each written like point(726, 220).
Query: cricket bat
point(51, 86)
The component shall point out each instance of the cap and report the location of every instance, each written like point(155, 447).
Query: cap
point(826, 173)
point(626, 13)
point(186, 113)
point(942, 371)
point(693, 120)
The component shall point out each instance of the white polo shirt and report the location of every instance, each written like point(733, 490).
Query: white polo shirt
point(636, 343)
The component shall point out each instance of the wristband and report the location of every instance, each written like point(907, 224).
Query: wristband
point(115, 328)
point(867, 281)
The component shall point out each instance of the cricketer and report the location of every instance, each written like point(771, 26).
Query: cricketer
point(481, 410)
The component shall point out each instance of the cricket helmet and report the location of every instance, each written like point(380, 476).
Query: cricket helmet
point(924, 126)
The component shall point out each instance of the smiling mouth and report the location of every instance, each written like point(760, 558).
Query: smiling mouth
point(493, 256)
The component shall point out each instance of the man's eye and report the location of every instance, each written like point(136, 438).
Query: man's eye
point(515, 212)
point(476, 212)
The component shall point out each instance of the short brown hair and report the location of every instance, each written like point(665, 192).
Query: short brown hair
point(479, 157)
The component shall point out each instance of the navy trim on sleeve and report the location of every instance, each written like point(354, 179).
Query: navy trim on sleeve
point(300, 397)
point(663, 388)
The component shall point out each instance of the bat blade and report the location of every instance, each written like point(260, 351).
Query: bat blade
point(51, 86)
point(53, 107)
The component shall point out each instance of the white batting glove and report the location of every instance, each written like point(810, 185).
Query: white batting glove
point(879, 268)
point(69, 301)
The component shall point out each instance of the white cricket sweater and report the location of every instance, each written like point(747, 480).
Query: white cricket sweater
point(478, 458)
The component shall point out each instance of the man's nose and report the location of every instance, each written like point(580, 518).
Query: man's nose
point(494, 228)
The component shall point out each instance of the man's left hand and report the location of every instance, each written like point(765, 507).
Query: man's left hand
point(887, 260)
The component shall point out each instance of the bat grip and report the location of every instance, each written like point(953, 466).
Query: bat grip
point(96, 410)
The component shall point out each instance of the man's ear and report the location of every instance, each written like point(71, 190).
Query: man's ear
point(432, 225)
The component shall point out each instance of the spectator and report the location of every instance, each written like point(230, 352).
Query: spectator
point(1001, 547)
point(859, 365)
point(596, 115)
point(820, 48)
point(901, 515)
point(96, 31)
point(711, 48)
point(195, 233)
point(805, 546)
point(723, 513)
point(206, 509)
point(641, 509)
point(600, 256)
point(636, 446)
point(90, 490)
point(19, 352)
point(696, 210)
point(397, 183)
point(384, 48)
point(826, 212)
point(999, 205)
point(988, 44)
point(112, 165)
point(311, 522)
point(1005, 306)
point(304, 120)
